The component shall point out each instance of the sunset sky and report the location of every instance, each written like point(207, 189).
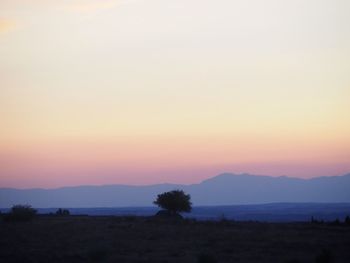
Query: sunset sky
point(153, 91)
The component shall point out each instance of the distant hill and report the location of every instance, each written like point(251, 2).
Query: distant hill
point(224, 189)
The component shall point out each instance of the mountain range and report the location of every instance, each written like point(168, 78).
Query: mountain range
point(224, 189)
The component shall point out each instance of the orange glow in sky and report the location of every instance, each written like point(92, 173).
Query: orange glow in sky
point(141, 92)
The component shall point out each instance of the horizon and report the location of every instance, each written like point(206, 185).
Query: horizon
point(178, 184)
point(100, 92)
point(223, 189)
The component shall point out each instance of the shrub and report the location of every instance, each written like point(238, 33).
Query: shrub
point(347, 220)
point(336, 222)
point(174, 201)
point(20, 213)
point(62, 212)
point(223, 220)
point(315, 221)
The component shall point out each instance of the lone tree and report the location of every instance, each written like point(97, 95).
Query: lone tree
point(174, 202)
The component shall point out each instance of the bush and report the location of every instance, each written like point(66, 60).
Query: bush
point(174, 201)
point(347, 220)
point(62, 212)
point(223, 220)
point(20, 213)
point(315, 221)
point(336, 222)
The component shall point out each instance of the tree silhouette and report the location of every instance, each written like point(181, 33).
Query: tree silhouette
point(174, 201)
point(62, 212)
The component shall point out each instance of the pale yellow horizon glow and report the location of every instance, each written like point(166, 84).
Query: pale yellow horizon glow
point(151, 91)
point(7, 25)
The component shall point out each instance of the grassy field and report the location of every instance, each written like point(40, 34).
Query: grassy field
point(142, 239)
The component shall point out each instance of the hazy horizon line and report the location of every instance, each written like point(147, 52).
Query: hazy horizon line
point(175, 184)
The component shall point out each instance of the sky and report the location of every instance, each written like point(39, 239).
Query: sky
point(150, 91)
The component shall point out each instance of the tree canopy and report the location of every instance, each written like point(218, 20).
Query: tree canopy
point(174, 201)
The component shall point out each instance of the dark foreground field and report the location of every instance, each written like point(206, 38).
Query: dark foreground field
point(142, 239)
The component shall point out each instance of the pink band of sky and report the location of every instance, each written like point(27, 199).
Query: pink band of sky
point(143, 92)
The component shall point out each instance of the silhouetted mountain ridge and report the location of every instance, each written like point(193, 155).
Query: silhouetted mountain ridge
point(223, 189)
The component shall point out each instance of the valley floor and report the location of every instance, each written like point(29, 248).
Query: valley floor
point(145, 239)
